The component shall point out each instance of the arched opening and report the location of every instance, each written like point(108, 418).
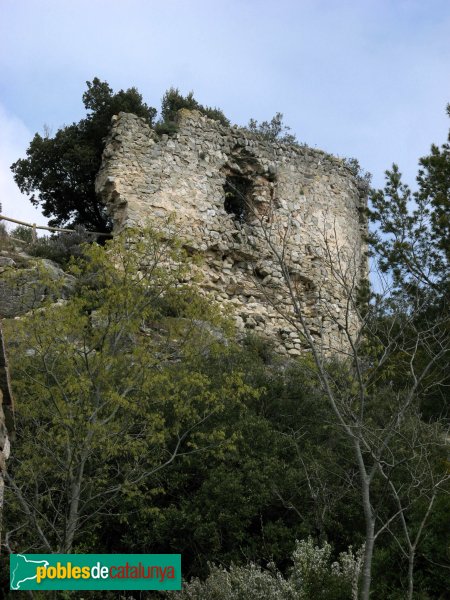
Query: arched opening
point(238, 191)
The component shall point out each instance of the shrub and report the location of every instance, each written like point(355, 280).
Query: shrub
point(6, 243)
point(312, 575)
point(60, 248)
point(25, 234)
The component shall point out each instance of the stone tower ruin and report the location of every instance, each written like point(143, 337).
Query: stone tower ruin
point(242, 202)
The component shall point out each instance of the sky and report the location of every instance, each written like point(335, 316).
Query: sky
point(358, 78)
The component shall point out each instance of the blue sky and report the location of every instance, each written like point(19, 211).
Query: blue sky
point(368, 79)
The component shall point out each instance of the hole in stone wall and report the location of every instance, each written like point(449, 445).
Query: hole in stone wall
point(238, 192)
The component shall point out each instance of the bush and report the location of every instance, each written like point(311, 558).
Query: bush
point(173, 101)
point(312, 575)
point(25, 234)
point(4, 238)
point(60, 248)
point(272, 131)
point(168, 128)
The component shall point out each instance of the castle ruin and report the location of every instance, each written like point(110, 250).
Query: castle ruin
point(257, 212)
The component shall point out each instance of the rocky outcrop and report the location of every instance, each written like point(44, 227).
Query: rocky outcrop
point(26, 282)
point(237, 201)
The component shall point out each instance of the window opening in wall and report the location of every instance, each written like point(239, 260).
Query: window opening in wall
point(237, 196)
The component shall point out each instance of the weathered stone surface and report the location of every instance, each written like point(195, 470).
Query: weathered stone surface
point(237, 200)
point(6, 261)
point(22, 286)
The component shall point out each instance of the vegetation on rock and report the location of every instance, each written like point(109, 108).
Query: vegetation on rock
point(143, 426)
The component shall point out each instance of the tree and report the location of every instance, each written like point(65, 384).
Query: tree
point(413, 496)
point(109, 394)
point(395, 349)
point(373, 412)
point(413, 229)
point(173, 101)
point(412, 246)
point(434, 191)
point(273, 131)
point(59, 172)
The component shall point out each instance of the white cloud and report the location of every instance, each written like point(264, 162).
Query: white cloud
point(14, 140)
point(363, 79)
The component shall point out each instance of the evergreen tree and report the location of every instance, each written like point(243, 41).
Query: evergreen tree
point(59, 172)
point(413, 239)
point(173, 101)
point(413, 249)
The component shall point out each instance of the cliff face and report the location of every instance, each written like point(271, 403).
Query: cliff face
point(238, 200)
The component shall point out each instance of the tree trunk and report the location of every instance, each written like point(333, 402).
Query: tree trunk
point(411, 573)
point(72, 519)
point(367, 567)
point(74, 506)
point(369, 521)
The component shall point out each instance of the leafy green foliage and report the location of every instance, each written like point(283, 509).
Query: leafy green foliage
point(184, 441)
point(364, 177)
point(109, 382)
point(434, 191)
point(108, 398)
point(59, 172)
point(412, 249)
point(413, 238)
point(312, 575)
point(23, 233)
point(62, 247)
point(173, 101)
point(5, 242)
point(433, 553)
point(273, 131)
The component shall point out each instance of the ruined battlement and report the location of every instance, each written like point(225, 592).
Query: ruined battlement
point(237, 199)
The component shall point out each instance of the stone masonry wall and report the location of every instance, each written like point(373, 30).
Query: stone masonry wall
point(238, 200)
